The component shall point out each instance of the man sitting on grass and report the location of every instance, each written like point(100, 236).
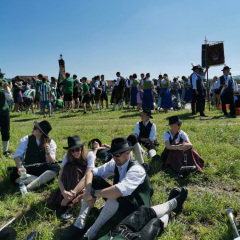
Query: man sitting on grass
point(36, 156)
point(130, 190)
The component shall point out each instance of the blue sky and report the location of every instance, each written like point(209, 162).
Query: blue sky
point(103, 37)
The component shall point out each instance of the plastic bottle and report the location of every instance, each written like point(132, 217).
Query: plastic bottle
point(22, 187)
point(24, 174)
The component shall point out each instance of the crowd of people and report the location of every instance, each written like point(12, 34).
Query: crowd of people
point(79, 179)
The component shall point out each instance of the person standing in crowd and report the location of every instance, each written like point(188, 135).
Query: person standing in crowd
point(198, 93)
point(227, 86)
point(118, 98)
point(127, 91)
point(53, 97)
point(86, 96)
point(103, 85)
point(215, 91)
point(76, 163)
point(114, 90)
point(144, 134)
point(133, 90)
point(39, 82)
point(186, 96)
point(148, 88)
point(98, 91)
point(92, 91)
point(5, 94)
point(53, 85)
point(175, 87)
point(130, 190)
point(45, 96)
point(166, 100)
point(17, 93)
point(33, 150)
point(140, 92)
point(68, 92)
point(76, 91)
point(160, 77)
point(28, 100)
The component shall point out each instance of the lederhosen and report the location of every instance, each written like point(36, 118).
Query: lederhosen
point(4, 116)
point(175, 158)
point(200, 105)
point(120, 91)
point(227, 97)
point(104, 93)
point(72, 174)
point(194, 96)
point(35, 155)
point(97, 94)
point(140, 196)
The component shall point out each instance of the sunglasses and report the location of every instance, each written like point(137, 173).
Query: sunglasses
point(117, 154)
point(75, 150)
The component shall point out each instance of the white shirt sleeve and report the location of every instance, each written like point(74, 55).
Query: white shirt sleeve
point(153, 132)
point(53, 148)
point(22, 148)
point(134, 177)
point(91, 157)
point(64, 161)
point(8, 96)
point(166, 136)
point(184, 136)
point(105, 170)
point(136, 130)
point(194, 81)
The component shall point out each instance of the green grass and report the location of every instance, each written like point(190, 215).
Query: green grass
point(216, 139)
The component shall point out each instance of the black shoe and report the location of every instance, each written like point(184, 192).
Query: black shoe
point(193, 113)
point(174, 193)
point(203, 115)
point(6, 154)
point(180, 200)
point(74, 233)
point(61, 211)
point(146, 167)
point(67, 215)
point(225, 114)
point(233, 116)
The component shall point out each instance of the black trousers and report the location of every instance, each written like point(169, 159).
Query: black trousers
point(199, 101)
point(5, 124)
point(228, 98)
point(149, 145)
point(126, 205)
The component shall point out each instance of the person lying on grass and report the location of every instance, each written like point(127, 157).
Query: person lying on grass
point(76, 163)
point(131, 189)
point(35, 155)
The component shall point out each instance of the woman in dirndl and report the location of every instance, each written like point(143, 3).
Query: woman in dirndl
point(140, 92)
point(133, 90)
point(76, 163)
point(166, 99)
point(148, 88)
point(178, 153)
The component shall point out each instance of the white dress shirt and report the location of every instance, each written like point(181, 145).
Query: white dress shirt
point(181, 134)
point(194, 80)
point(8, 96)
point(22, 148)
point(91, 157)
point(128, 180)
point(153, 133)
point(226, 81)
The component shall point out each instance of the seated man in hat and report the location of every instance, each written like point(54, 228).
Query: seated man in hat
point(36, 157)
point(130, 190)
point(145, 134)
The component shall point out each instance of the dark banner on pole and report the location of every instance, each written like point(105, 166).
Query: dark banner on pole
point(62, 72)
point(215, 55)
point(204, 55)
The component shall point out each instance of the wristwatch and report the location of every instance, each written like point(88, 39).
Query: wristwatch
point(92, 193)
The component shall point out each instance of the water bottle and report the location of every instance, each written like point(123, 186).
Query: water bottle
point(22, 187)
point(24, 174)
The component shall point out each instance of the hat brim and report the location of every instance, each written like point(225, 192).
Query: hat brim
point(114, 151)
point(147, 114)
point(73, 147)
point(175, 123)
point(226, 69)
point(38, 126)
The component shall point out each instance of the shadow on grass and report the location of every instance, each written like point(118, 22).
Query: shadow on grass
point(68, 116)
point(24, 120)
point(131, 115)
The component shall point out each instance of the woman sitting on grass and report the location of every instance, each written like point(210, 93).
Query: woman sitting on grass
point(71, 181)
point(178, 153)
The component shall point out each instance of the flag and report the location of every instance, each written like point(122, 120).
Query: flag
point(215, 54)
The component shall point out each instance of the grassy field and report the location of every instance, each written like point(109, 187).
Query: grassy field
point(216, 139)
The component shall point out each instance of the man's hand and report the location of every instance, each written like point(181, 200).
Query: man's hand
point(20, 170)
point(68, 196)
point(5, 85)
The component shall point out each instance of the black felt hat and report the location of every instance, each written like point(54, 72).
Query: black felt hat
point(44, 126)
point(74, 142)
point(226, 68)
point(174, 120)
point(119, 145)
point(93, 140)
point(148, 112)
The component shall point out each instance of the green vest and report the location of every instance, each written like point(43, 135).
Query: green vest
point(135, 83)
point(165, 85)
point(174, 85)
point(143, 193)
point(34, 153)
point(147, 85)
point(3, 102)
